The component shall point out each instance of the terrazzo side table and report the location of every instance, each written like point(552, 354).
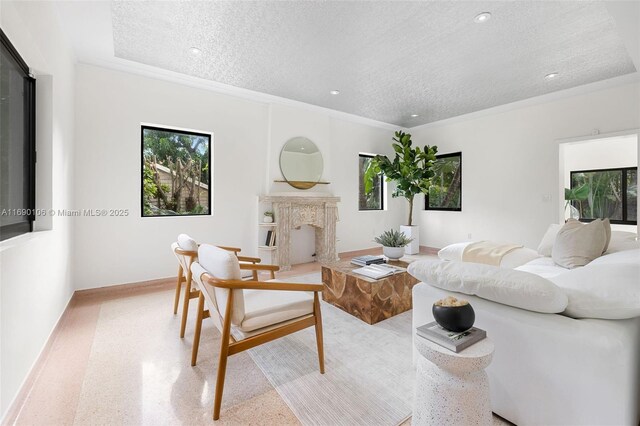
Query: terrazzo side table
point(452, 388)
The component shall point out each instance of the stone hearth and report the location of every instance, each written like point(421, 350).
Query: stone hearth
point(293, 211)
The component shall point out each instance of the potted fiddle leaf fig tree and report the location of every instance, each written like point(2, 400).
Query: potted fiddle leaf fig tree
point(411, 169)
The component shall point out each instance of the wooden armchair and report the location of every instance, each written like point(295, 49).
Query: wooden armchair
point(249, 313)
point(186, 251)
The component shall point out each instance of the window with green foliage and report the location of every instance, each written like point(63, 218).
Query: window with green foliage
point(606, 193)
point(445, 192)
point(375, 199)
point(176, 173)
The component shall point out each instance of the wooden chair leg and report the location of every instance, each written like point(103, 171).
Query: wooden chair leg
point(178, 286)
point(318, 316)
point(196, 337)
point(185, 304)
point(224, 353)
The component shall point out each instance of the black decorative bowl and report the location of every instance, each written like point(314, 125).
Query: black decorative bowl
point(454, 318)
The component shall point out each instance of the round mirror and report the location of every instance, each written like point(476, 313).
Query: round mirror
point(301, 163)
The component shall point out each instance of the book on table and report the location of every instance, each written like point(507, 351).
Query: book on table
point(361, 263)
point(367, 260)
point(376, 271)
point(454, 341)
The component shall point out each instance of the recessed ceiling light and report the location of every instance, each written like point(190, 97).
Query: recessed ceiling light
point(551, 76)
point(195, 50)
point(414, 115)
point(335, 92)
point(482, 17)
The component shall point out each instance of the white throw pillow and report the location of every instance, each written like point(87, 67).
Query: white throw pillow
point(621, 240)
point(546, 245)
point(510, 287)
point(606, 291)
point(187, 243)
point(453, 252)
point(577, 244)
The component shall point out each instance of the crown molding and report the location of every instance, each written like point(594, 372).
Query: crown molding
point(143, 70)
point(537, 100)
point(135, 68)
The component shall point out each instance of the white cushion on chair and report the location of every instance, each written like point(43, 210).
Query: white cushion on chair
point(223, 265)
point(263, 308)
point(182, 260)
point(187, 243)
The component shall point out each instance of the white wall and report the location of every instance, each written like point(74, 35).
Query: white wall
point(247, 139)
point(110, 108)
point(510, 164)
point(35, 271)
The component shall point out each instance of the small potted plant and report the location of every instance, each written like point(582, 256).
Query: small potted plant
point(268, 217)
point(393, 243)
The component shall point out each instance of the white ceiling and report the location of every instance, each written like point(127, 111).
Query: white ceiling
point(388, 59)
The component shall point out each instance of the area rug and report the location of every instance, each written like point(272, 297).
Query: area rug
point(368, 376)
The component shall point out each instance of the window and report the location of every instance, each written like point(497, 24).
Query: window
point(606, 193)
point(17, 143)
point(176, 172)
point(445, 192)
point(375, 199)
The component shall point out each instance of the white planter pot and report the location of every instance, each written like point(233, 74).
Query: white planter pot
point(267, 219)
point(412, 232)
point(393, 253)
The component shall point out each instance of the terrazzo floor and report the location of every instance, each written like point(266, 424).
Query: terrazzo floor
point(88, 380)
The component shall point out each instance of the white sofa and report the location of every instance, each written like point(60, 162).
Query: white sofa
point(550, 369)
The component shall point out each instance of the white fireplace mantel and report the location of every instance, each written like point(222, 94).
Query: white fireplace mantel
point(319, 210)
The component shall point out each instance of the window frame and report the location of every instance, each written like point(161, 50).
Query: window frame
point(446, 209)
point(29, 143)
point(623, 187)
point(382, 185)
point(144, 127)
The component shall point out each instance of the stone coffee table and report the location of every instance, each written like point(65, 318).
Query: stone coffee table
point(370, 300)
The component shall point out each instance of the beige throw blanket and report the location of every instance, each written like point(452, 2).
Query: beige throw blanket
point(487, 252)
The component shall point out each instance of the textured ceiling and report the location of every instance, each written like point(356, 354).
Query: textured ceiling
point(388, 59)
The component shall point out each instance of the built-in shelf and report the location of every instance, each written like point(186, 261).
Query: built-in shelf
point(268, 254)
